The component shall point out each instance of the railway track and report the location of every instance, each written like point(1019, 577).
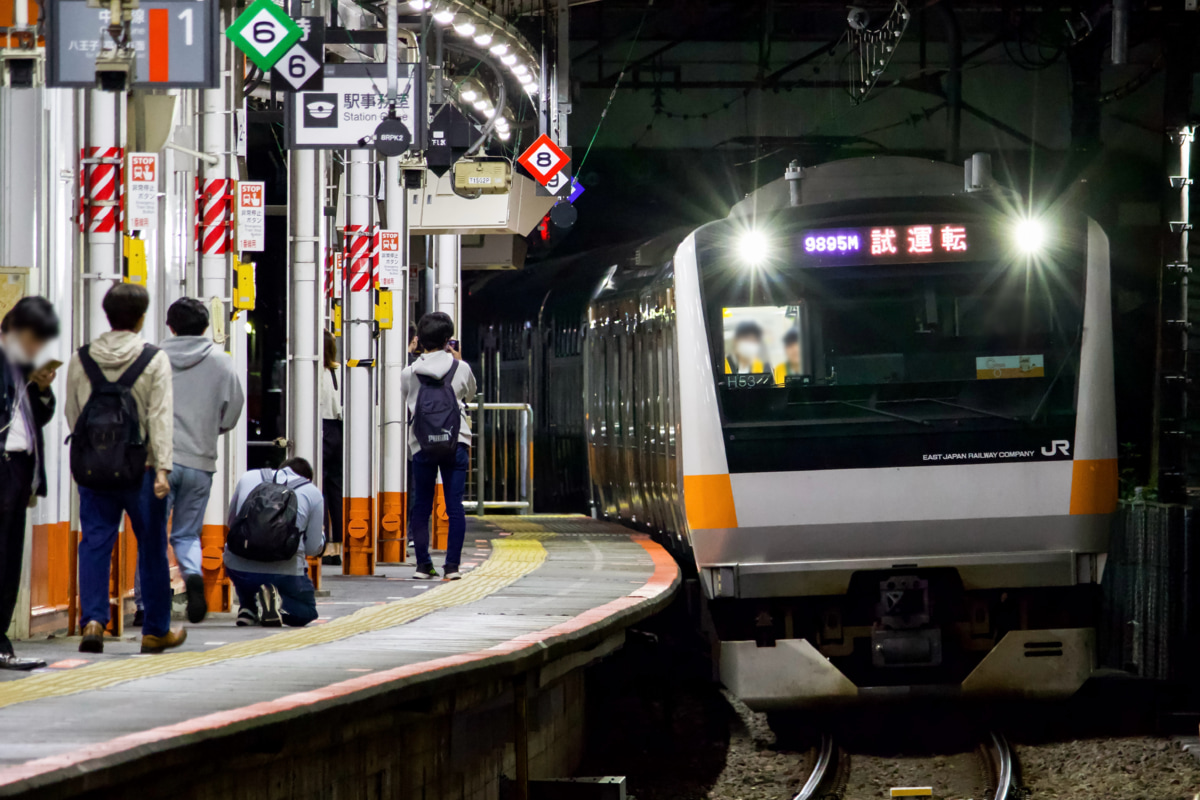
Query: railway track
point(829, 777)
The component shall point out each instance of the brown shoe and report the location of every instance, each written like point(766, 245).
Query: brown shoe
point(93, 638)
point(156, 644)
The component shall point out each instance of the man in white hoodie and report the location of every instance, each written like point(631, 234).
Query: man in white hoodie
point(101, 512)
point(208, 404)
point(433, 336)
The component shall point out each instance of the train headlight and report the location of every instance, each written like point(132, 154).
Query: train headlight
point(753, 247)
point(1030, 235)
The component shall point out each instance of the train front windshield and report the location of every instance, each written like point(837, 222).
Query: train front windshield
point(816, 342)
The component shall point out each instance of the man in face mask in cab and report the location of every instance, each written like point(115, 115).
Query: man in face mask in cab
point(746, 358)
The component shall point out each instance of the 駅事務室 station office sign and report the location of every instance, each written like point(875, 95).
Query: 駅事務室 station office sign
point(174, 41)
point(346, 113)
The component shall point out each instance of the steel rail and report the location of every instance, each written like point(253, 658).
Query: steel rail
point(1004, 765)
point(821, 772)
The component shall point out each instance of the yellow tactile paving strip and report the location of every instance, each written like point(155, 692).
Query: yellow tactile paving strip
point(512, 558)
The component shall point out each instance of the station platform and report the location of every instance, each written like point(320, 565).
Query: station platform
point(347, 706)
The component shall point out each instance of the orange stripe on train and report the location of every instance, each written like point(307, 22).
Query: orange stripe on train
point(1094, 486)
point(709, 501)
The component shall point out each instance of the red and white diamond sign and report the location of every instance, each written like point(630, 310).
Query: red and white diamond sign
point(543, 159)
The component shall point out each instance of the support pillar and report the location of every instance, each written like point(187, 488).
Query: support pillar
point(447, 299)
point(358, 556)
point(393, 483)
point(102, 178)
point(306, 308)
point(214, 199)
point(101, 175)
point(449, 259)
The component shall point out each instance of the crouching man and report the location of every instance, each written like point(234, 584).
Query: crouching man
point(276, 519)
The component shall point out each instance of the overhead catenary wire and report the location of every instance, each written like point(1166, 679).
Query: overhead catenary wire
point(616, 85)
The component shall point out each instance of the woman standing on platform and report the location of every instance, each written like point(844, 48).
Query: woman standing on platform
point(331, 452)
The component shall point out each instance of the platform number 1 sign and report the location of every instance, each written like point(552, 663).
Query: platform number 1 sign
point(543, 159)
point(264, 33)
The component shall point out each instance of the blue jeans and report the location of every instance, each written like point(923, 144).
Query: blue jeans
point(100, 516)
point(298, 602)
point(190, 489)
point(424, 483)
point(186, 504)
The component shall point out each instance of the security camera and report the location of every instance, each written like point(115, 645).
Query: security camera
point(858, 18)
point(19, 70)
point(115, 70)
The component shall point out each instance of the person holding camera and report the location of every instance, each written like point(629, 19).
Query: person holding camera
point(437, 388)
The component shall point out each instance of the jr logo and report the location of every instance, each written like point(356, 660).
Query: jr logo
point(1058, 446)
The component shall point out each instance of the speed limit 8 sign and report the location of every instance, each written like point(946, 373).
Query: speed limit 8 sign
point(264, 33)
point(543, 159)
point(301, 68)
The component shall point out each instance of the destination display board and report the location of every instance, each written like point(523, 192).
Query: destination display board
point(173, 40)
point(892, 244)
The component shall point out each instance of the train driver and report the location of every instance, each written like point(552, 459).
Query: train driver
point(746, 358)
point(791, 349)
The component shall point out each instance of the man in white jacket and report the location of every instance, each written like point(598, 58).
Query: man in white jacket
point(433, 335)
point(101, 512)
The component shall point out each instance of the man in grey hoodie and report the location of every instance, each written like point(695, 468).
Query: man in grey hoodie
point(433, 336)
point(208, 403)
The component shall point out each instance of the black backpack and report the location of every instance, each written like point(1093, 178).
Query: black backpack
point(265, 528)
point(438, 417)
point(108, 451)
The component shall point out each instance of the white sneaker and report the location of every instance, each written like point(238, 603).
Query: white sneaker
point(425, 574)
point(453, 576)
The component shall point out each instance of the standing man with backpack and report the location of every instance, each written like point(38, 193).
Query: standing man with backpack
point(208, 404)
point(26, 405)
point(276, 519)
point(436, 389)
point(119, 407)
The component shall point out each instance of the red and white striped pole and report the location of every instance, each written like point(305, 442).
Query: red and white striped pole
point(358, 257)
point(213, 219)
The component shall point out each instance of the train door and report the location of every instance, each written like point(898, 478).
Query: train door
point(625, 414)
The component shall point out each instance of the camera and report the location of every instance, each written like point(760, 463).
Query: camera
point(115, 70)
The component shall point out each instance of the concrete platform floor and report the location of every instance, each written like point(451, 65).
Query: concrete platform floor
point(527, 580)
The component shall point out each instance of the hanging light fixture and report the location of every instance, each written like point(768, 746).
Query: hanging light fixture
point(443, 17)
point(464, 27)
point(483, 39)
point(499, 48)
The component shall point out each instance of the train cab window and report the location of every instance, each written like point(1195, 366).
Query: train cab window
point(763, 345)
point(963, 344)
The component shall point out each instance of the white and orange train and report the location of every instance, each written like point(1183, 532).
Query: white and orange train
point(876, 410)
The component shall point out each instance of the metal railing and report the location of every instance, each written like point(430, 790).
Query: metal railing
point(502, 473)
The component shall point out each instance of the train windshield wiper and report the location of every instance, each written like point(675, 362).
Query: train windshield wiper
point(883, 413)
point(972, 409)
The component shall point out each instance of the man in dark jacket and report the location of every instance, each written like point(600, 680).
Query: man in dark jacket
point(26, 405)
